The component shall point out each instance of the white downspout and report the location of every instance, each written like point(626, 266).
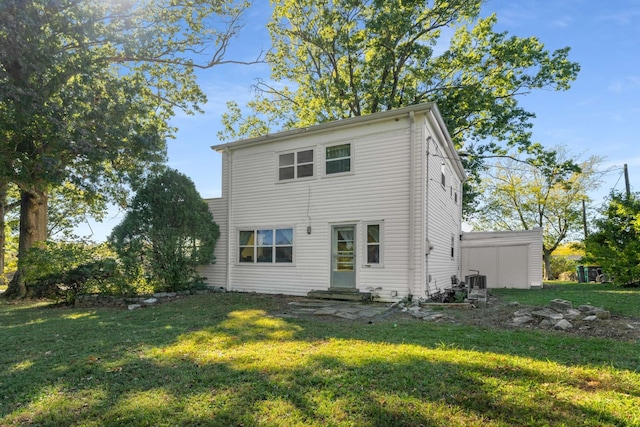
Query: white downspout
point(229, 228)
point(412, 133)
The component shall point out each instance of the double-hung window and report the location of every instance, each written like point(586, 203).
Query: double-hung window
point(338, 159)
point(274, 245)
point(294, 165)
point(374, 244)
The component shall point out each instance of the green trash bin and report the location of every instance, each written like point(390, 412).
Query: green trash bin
point(582, 278)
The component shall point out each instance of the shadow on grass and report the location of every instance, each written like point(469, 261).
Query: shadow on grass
point(221, 360)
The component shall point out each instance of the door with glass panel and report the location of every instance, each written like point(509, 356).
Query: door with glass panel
point(343, 256)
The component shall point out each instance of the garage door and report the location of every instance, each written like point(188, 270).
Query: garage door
point(504, 266)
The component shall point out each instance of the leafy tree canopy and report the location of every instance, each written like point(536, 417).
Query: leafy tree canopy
point(167, 231)
point(88, 87)
point(516, 195)
point(336, 59)
point(616, 243)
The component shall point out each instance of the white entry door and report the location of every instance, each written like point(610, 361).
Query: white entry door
point(343, 256)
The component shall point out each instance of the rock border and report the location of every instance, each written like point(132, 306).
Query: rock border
point(141, 301)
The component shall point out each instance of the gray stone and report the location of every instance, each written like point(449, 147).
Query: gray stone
point(560, 304)
point(370, 313)
point(514, 304)
point(523, 312)
point(133, 306)
point(150, 301)
point(585, 308)
point(348, 316)
point(563, 325)
point(433, 317)
point(603, 314)
point(523, 320)
point(326, 311)
point(545, 313)
point(591, 318)
point(572, 314)
point(546, 323)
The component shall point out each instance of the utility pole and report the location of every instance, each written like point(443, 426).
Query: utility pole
point(626, 180)
point(584, 219)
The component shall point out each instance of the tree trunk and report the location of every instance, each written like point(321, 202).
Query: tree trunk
point(546, 257)
point(33, 229)
point(3, 238)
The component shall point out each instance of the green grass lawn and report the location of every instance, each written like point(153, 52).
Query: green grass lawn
point(221, 359)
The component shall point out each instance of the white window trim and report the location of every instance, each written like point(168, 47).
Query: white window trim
point(381, 244)
point(351, 171)
point(295, 165)
point(255, 262)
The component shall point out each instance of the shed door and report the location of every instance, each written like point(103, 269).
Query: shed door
point(343, 256)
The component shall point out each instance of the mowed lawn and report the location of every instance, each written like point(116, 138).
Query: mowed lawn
point(224, 359)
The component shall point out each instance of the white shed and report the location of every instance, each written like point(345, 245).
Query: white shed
point(509, 259)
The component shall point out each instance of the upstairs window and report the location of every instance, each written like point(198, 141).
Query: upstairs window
point(338, 159)
point(443, 179)
point(295, 165)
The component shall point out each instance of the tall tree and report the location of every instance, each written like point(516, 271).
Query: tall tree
point(615, 245)
point(520, 196)
point(333, 59)
point(87, 90)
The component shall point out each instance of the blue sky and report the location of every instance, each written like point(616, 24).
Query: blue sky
point(598, 116)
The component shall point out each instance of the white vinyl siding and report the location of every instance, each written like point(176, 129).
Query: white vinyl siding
point(378, 190)
point(216, 274)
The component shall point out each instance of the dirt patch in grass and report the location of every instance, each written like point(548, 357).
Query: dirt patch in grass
point(499, 314)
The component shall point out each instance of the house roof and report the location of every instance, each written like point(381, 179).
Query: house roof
point(429, 107)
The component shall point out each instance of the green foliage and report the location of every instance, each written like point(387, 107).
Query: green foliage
point(88, 88)
point(516, 195)
point(336, 59)
point(616, 244)
point(561, 264)
point(66, 269)
point(167, 231)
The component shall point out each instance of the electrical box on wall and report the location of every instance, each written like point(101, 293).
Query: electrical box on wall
point(428, 247)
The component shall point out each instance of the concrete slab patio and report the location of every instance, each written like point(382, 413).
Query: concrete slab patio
point(343, 309)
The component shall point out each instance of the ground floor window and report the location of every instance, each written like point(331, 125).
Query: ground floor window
point(273, 245)
point(374, 244)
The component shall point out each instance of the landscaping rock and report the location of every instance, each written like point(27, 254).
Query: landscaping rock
point(150, 301)
point(546, 323)
point(591, 318)
point(563, 325)
point(545, 313)
point(523, 320)
point(572, 314)
point(560, 304)
point(586, 308)
point(603, 314)
point(134, 306)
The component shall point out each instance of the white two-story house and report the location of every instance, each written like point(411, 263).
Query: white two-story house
point(365, 204)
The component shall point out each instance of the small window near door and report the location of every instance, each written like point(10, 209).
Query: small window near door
point(374, 252)
point(453, 246)
point(338, 159)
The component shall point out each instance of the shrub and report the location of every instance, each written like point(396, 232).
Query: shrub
point(167, 232)
point(66, 269)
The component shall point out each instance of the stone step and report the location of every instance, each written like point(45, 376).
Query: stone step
point(340, 295)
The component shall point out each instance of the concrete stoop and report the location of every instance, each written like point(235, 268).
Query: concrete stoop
point(340, 295)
